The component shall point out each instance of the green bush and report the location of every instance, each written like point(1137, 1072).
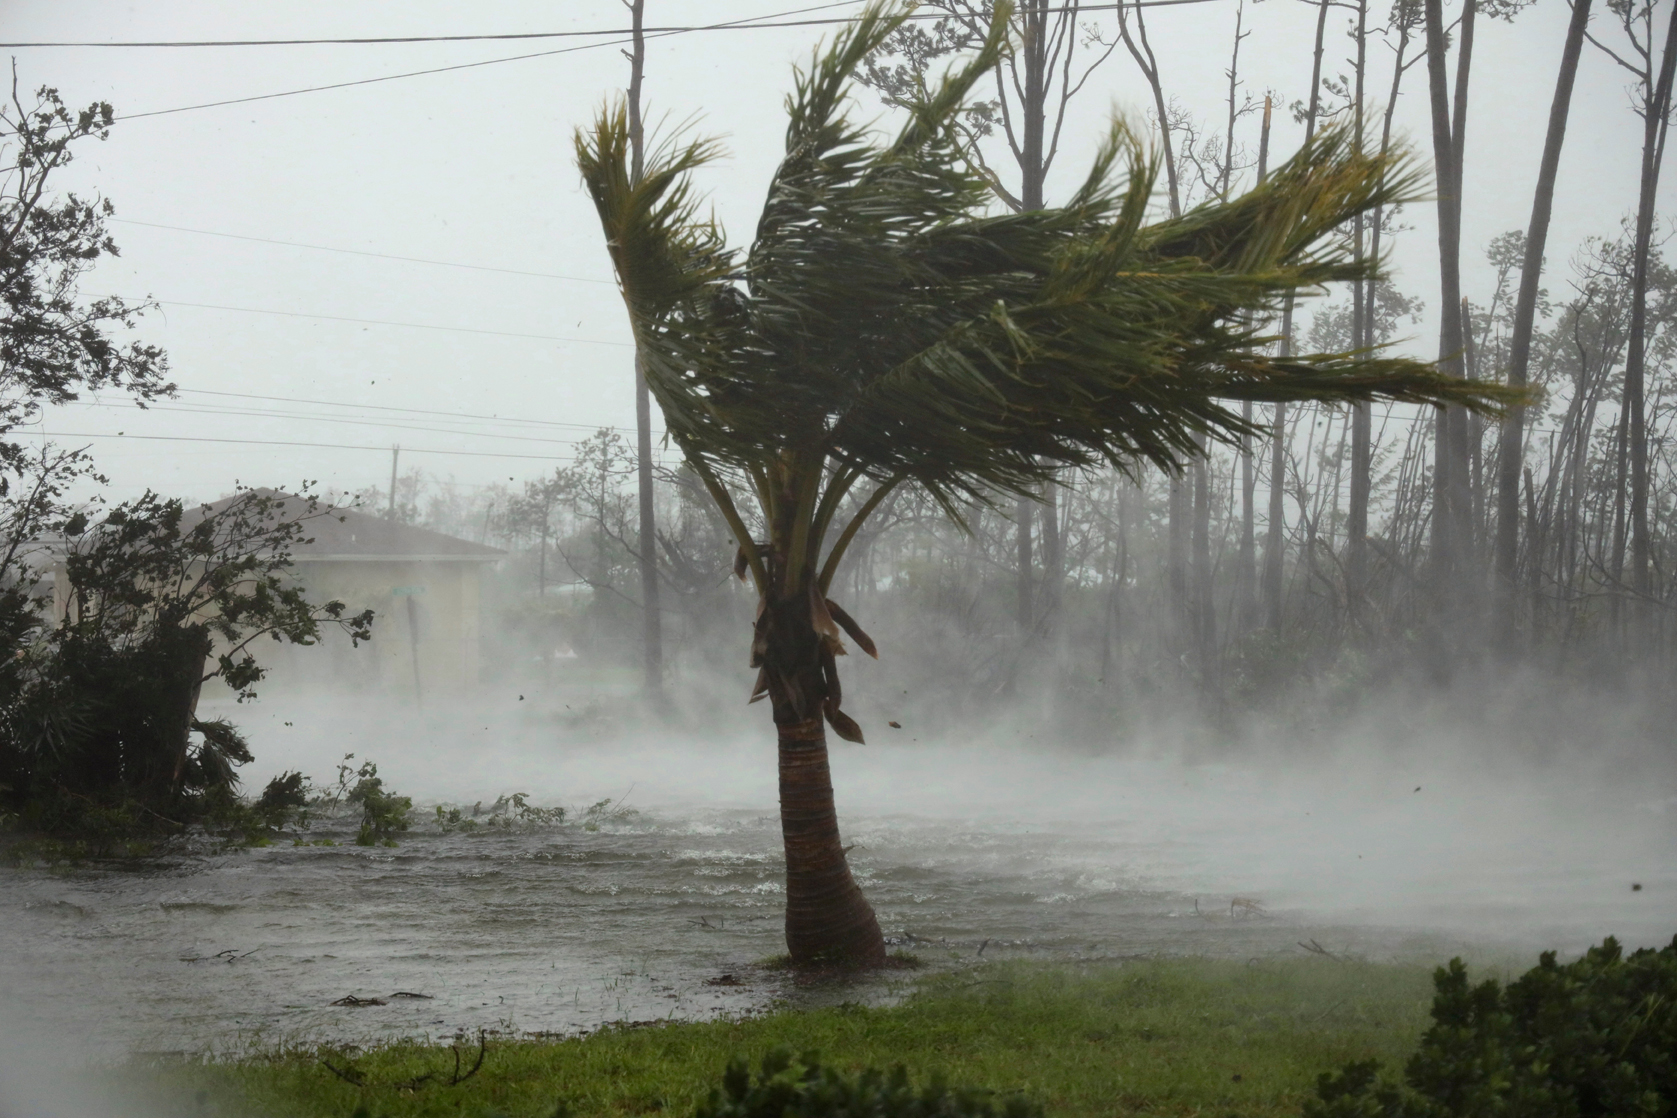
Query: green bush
point(1596, 1037)
point(805, 1089)
point(383, 813)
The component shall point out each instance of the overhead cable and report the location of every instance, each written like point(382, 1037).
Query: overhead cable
point(358, 252)
point(282, 442)
point(387, 322)
point(348, 420)
point(746, 23)
point(391, 408)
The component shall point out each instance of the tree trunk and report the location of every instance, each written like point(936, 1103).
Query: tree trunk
point(1032, 607)
point(652, 628)
point(186, 650)
point(1205, 615)
point(1510, 458)
point(1653, 151)
point(1274, 541)
point(1356, 521)
point(1277, 476)
point(1024, 513)
point(828, 920)
point(1448, 474)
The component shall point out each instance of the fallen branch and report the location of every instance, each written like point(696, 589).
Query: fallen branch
point(1317, 949)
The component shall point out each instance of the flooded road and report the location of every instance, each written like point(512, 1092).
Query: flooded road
point(664, 902)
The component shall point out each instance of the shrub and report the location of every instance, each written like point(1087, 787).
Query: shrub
point(1595, 1037)
point(383, 813)
point(805, 1089)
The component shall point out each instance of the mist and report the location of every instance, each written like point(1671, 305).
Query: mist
point(1207, 610)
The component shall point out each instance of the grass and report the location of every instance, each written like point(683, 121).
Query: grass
point(1155, 1037)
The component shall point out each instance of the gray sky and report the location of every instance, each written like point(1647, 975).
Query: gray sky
point(473, 167)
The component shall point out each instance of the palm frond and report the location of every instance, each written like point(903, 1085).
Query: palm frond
point(886, 319)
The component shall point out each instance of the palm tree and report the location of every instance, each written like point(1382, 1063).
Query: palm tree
point(889, 326)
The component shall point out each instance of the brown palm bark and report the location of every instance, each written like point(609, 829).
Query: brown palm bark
point(1511, 452)
point(828, 920)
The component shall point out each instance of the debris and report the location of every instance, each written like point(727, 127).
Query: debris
point(228, 956)
point(352, 1000)
point(725, 980)
point(1317, 949)
point(1242, 907)
point(406, 994)
point(895, 725)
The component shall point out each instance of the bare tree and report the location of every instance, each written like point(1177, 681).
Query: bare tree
point(1653, 104)
point(1510, 459)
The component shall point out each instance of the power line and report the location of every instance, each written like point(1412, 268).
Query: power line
point(358, 252)
point(747, 23)
point(386, 322)
point(281, 442)
point(458, 66)
point(253, 413)
point(387, 407)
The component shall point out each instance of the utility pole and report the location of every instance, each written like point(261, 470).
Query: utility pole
point(652, 632)
point(390, 509)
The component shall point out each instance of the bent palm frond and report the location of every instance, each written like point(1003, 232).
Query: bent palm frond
point(886, 320)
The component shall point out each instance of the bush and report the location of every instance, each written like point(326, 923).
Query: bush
point(383, 813)
point(805, 1089)
point(1594, 1037)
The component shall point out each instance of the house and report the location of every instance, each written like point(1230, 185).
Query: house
point(424, 589)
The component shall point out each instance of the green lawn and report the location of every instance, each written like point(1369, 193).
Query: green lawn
point(1165, 1037)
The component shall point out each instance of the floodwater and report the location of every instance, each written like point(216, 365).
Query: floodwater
point(663, 904)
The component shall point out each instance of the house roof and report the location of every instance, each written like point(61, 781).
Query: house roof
point(343, 534)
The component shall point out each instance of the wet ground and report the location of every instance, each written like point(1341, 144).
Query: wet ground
point(664, 902)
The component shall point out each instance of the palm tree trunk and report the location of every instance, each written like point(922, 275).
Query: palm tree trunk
point(1510, 459)
point(828, 920)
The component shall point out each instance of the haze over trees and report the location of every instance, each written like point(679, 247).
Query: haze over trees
point(1334, 546)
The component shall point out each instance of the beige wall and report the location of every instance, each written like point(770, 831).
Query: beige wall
point(435, 602)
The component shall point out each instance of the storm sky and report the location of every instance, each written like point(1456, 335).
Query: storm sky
point(508, 361)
